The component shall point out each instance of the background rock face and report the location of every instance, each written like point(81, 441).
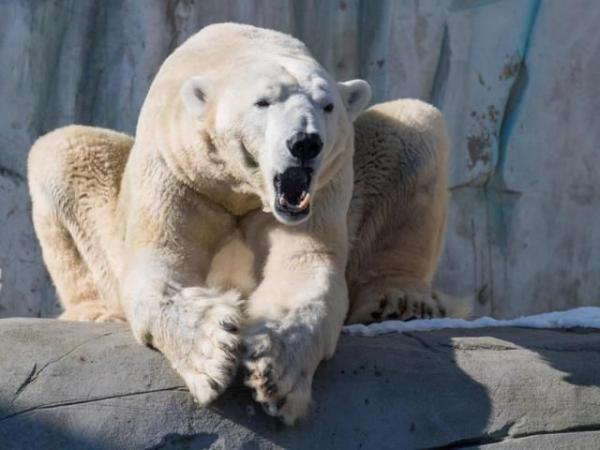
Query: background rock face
point(517, 80)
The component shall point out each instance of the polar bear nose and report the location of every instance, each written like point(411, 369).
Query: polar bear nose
point(305, 146)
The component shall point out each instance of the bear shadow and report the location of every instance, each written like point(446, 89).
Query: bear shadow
point(384, 392)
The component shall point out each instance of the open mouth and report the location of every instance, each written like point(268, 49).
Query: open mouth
point(292, 196)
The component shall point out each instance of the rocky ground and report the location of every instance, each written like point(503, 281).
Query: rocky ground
point(73, 385)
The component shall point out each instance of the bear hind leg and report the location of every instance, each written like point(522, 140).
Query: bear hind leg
point(62, 198)
point(398, 214)
point(72, 278)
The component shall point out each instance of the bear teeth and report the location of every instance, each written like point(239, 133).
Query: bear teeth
point(305, 202)
point(303, 205)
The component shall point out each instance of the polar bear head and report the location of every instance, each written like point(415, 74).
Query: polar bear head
point(276, 111)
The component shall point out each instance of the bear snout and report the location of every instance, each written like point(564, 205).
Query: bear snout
point(305, 146)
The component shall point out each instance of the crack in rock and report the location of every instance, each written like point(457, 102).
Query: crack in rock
point(422, 342)
point(30, 378)
point(90, 400)
point(35, 372)
point(505, 436)
point(12, 174)
point(485, 346)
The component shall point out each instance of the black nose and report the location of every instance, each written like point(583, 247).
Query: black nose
point(305, 146)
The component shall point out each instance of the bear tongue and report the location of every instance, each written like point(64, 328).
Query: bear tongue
point(293, 186)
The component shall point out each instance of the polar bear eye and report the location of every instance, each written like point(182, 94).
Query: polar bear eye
point(328, 108)
point(262, 103)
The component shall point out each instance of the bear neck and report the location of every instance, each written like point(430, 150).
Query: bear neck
point(193, 159)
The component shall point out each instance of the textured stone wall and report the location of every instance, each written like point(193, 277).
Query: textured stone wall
point(517, 80)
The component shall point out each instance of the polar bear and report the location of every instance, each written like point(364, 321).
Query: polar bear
point(239, 227)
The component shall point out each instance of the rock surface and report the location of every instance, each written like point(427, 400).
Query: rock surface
point(517, 80)
point(75, 385)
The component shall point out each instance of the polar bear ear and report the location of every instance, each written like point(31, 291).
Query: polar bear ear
point(193, 95)
point(356, 95)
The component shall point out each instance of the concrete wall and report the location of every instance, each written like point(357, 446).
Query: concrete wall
point(517, 80)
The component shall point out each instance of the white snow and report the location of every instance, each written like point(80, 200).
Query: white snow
point(586, 317)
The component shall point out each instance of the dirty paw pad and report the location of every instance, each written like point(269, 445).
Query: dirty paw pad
point(274, 370)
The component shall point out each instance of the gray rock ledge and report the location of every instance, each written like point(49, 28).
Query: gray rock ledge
point(74, 385)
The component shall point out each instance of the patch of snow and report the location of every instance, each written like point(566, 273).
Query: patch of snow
point(585, 317)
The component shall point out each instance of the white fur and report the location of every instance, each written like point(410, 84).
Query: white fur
point(177, 231)
point(293, 276)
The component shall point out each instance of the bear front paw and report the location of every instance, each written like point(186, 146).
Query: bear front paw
point(199, 335)
point(279, 370)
